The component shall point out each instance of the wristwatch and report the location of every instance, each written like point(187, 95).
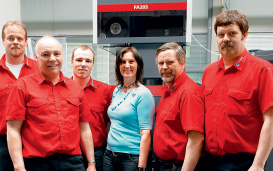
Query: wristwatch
point(91, 161)
point(141, 169)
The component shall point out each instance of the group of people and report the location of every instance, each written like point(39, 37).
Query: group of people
point(51, 122)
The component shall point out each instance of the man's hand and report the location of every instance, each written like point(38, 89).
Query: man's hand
point(252, 168)
point(91, 167)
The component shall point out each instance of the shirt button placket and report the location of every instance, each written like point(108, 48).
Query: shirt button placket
point(218, 112)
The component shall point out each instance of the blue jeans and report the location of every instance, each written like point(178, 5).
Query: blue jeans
point(115, 161)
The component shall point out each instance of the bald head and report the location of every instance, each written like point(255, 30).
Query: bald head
point(47, 39)
point(48, 53)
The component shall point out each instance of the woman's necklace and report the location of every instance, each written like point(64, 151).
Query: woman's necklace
point(129, 86)
point(113, 108)
point(124, 98)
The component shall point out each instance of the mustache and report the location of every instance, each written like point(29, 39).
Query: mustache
point(223, 45)
point(166, 71)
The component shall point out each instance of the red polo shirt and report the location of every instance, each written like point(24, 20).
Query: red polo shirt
point(7, 79)
point(235, 100)
point(181, 109)
point(98, 95)
point(51, 115)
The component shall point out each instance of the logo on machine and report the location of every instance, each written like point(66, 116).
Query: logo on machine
point(144, 7)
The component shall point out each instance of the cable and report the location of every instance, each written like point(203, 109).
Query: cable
point(203, 46)
point(103, 48)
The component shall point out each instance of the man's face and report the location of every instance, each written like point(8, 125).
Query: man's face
point(50, 57)
point(14, 41)
point(169, 67)
point(82, 63)
point(230, 40)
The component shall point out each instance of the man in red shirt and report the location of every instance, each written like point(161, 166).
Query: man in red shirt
point(179, 126)
point(14, 64)
point(47, 117)
point(238, 101)
point(97, 94)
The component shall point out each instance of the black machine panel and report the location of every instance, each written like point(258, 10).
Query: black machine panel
point(142, 24)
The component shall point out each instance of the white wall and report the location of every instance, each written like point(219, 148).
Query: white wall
point(58, 17)
point(258, 13)
point(199, 16)
point(9, 10)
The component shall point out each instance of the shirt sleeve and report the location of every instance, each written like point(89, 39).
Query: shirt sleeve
point(145, 109)
point(192, 113)
point(266, 89)
point(16, 104)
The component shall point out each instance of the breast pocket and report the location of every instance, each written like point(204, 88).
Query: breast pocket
point(171, 120)
point(208, 98)
point(73, 109)
point(238, 102)
point(37, 110)
point(170, 117)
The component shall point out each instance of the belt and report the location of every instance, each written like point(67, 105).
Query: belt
point(116, 154)
point(171, 162)
point(59, 156)
point(230, 156)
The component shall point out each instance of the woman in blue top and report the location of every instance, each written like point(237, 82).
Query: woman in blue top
point(131, 113)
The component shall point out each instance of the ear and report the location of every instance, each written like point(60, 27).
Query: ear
point(245, 35)
point(183, 64)
point(35, 57)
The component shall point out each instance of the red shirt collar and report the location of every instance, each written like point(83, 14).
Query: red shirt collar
point(3, 61)
point(176, 83)
point(91, 83)
point(239, 63)
point(42, 79)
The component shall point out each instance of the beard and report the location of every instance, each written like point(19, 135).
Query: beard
point(167, 79)
point(16, 52)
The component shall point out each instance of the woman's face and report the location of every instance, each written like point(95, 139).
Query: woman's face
point(128, 66)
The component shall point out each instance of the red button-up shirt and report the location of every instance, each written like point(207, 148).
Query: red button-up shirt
point(51, 115)
point(98, 95)
point(181, 109)
point(7, 79)
point(235, 100)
